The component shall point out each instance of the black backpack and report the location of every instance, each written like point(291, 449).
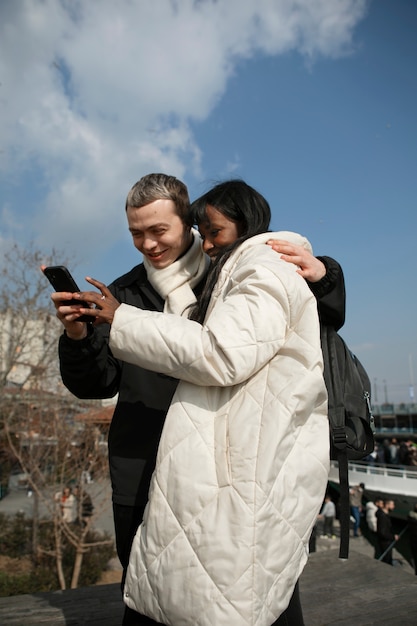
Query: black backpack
point(350, 417)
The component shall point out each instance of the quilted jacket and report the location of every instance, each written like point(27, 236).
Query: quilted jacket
point(243, 459)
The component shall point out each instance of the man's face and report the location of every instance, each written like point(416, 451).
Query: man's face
point(158, 232)
point(390, 505)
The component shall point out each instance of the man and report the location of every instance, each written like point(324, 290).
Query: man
point(371, 509)
point(356, 494)
point(328, 514)
point(157, 209)
point(412, 527)
point(385, 534)
point(172, 273)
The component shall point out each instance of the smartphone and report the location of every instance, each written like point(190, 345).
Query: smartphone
point(61, 280)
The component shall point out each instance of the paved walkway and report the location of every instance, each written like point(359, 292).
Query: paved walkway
point(357, 592)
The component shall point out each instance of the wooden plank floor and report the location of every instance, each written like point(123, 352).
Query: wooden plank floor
point(100, 605)
point(356, 592)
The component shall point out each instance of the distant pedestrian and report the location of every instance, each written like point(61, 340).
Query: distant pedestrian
point(412, 528)
point(327, 514)
point(393, 450)
point(385, 534)
point(371, 509)
point(84, 505)
point(67, 505)
point(356, 494)
point(386, 452)
point(405, 452)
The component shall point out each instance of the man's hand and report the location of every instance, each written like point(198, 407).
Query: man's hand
point(68, 314)
point(309, 267)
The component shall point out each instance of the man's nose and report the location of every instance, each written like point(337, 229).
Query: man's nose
point(149, 243)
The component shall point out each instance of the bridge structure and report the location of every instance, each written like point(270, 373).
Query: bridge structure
point(395, 420)
point(385, 481)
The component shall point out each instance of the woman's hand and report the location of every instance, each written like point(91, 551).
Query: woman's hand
point(104, 304)
point(310, 268)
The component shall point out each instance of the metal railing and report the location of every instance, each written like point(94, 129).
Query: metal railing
point(385, 478)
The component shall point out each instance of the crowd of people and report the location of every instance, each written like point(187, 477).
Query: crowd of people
point(394, 452)
point(377, 514)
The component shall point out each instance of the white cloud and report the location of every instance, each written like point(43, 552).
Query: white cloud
point(233, 165)
point(95, 94)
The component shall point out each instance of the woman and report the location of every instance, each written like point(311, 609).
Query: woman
point(243, 459)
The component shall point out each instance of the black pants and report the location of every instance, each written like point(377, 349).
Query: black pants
point(328, 526)
point(293, 615)
point(384, 545)
point(413, 548)
point(126, 523)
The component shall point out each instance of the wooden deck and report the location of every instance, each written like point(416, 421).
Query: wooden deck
point(356, 592)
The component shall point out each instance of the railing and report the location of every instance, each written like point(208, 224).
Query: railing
point(396, 430)
point(394, 409)
point(389, 479)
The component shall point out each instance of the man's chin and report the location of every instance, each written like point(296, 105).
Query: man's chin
point(160, 265)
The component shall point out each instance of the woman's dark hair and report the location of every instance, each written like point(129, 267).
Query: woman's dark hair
point(240, 203)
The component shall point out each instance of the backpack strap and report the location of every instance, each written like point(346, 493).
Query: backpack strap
point(336, 409)
point(344, 506)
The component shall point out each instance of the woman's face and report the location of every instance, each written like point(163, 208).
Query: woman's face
point(218, 232)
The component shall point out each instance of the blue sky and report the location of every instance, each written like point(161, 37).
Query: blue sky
point(313, 102)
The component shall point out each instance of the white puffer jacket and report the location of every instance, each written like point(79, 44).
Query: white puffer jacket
point(243, 460)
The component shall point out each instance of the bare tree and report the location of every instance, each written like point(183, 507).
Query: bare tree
point(37, 413)
point(28, 328)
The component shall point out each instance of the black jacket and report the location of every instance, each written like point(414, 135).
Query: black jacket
point(89, 370)
point(330, 294)
point(412, 528)
point(384, 530)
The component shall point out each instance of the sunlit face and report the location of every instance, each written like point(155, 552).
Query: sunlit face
point(218, 232)
point(158, 232)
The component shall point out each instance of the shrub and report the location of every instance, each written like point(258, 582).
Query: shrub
point(15, 536)
point(37, 579)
